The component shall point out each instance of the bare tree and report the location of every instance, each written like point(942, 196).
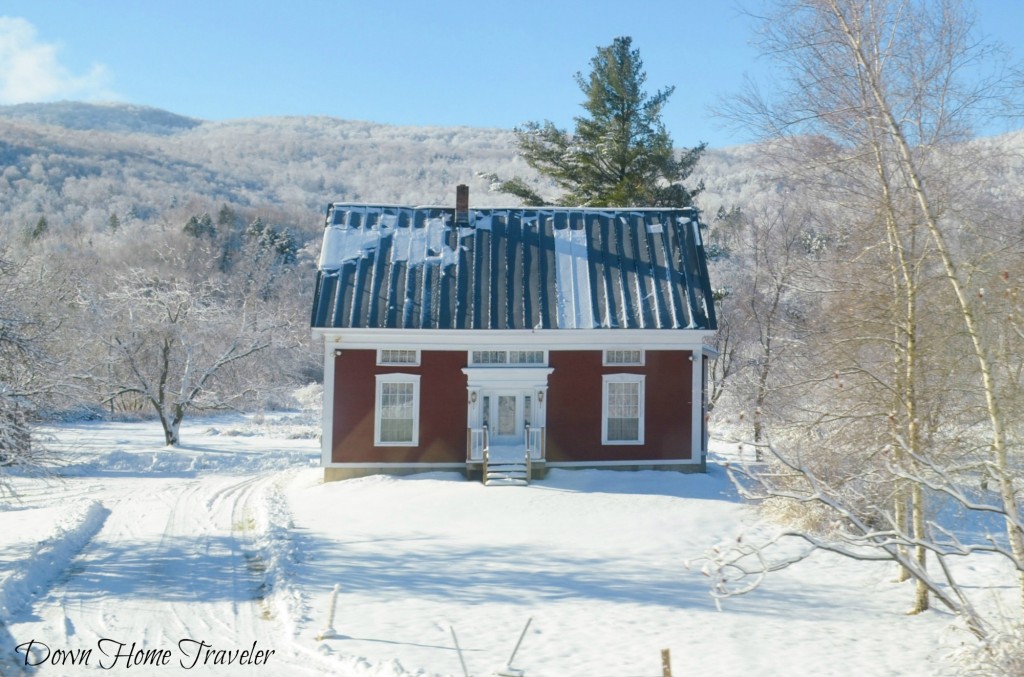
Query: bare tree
point(764, 308)
point(175, 344)
point(876, 108)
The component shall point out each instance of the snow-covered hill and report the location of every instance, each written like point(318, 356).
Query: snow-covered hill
point(78, 164)
point(112, 117)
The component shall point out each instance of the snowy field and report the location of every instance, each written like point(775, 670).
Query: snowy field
point(219, 558)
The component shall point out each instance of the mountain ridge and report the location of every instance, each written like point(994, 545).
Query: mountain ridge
point(81, 165)
point(119, 117)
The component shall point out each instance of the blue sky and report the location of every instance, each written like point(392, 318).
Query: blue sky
point(479, 63)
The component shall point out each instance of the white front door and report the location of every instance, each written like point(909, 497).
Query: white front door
point(506, 414)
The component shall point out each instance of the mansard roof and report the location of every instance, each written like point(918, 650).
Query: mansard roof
point(391, 267)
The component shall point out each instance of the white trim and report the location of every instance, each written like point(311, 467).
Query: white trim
point(606, 363)
point(696, 408)
point(517, 339)
point(327, 413)
point(397, 378)
point(382, 363)
point(519, 377)
point(608, 379)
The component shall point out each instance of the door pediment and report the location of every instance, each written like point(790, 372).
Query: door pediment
point(527, 378)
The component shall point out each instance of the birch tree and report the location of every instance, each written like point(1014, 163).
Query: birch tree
point(878, 100)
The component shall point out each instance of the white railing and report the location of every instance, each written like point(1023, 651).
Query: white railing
point(477, 444)
point(534, 438)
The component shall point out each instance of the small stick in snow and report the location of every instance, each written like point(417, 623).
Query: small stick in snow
point(329, 632)
point(455, 639)
point(508, 670)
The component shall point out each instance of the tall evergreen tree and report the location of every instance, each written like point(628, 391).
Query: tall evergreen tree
point(226, 219)
point(40, 229)
point(620, 154)
point(200, 226)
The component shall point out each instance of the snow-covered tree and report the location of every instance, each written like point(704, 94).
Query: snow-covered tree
point(876, 111)
point(619, 154)
point(32, 378)
point(175, 343)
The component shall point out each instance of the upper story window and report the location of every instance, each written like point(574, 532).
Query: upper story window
point(388, 356)
point(507, 357)
point(628, 357)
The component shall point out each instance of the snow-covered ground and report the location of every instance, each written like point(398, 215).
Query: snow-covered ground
point(227, 549)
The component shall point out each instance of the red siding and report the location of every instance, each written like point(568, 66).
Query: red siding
point(574, 408)
point(442, 437)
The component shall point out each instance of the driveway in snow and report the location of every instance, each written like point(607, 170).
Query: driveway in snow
point(234, 542)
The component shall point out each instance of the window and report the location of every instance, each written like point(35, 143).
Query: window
point(506, 357)
point(622, 409)
point(489, 357)
point(396, 423)
point(631, 357)
point(390, 356)
point(526, 357)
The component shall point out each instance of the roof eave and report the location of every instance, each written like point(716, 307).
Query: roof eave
point(553, 339)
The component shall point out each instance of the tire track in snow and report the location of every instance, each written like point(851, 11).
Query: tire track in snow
point(39, 492)
point(204, 558)
point(164, 568)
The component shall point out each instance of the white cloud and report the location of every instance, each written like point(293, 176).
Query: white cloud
point(31, 72)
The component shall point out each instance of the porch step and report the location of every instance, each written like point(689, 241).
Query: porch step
point(507, 474)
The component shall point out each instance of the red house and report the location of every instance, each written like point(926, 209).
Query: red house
point(503, 342)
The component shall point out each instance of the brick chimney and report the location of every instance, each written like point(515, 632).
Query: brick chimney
point(462, 203)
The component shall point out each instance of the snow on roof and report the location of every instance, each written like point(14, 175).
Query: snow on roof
point(389, 266)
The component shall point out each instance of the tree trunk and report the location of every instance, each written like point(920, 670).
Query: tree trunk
point(1004, 473)
point(171, 426)
point(902, 524)
point(920, 552)
point(759, 400)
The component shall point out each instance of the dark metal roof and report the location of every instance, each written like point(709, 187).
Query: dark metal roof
point(547, 268)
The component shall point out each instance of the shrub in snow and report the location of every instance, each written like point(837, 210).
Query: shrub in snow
point(310, 397)
point(24, 450)
point(845, 472)
point(1002, 654)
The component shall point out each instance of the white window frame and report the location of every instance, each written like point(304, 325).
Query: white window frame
point(608, 363)
point(543, 358)
point(414, 379)
point(381, 363)
point(638, 379)
point(508, 355)
point(473, 361)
